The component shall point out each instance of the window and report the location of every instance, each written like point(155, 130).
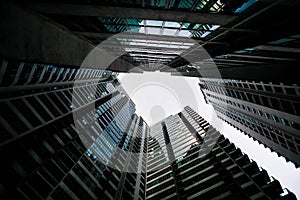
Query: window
point(275, 103)
point(281, 139)
point(283, 121)
point(49, 105)
point(37, 74)
point(295, 125)
point(259, 112)
point(86, 179)
point(59, 103)
point(259, 87)
point(297, 108)
point(76, 188)
point(25, 73)
point(40, 185)
point(12, 119)
point(278, 89)
point(267, 115)
point(54, 170)
point(265, 101)
point(10, 73)
point(276, 119)
point(59, 193)
point(256, 99)
point(287, 106)
point(5, 134)
point(252, 86)
point(268, 88)
point(290, 91)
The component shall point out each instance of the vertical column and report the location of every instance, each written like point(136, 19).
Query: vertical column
point(179, 189)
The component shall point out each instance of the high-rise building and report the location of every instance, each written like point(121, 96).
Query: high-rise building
point(268, 112)
point(63, 33)
point(50, 143)
point(73, 134)
point(189, 159)
point(44, 155)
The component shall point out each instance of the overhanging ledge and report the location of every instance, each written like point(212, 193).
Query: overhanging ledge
point(137, 13)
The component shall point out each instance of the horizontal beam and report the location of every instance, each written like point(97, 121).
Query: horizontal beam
point(284, 2)
point(136, 13)
point(247, 19)
point(229, 61)
point(152, 54)
point(143, 36)
point(285, 73)
point(278, 48)
point(151, 57)
point(201, 28)
point(254, 57)
point(238, 24)
point(153, 50)
point(15, 91)
point(121, 47)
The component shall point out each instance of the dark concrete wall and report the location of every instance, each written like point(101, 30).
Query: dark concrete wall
point(29, 37)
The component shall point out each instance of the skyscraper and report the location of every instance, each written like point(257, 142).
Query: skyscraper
point(267, 112)
point(189, 159)
point(73, 134)
point(63, 33)
point(46, 154)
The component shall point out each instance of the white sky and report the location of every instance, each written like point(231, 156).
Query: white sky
point(158, 95)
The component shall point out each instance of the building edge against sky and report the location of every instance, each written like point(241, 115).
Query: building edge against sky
point(195, 161)
point(267, 112)
point(39, 145)
point(44, 155)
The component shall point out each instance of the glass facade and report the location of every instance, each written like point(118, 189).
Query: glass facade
point(108, 152)
point(43, 153)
